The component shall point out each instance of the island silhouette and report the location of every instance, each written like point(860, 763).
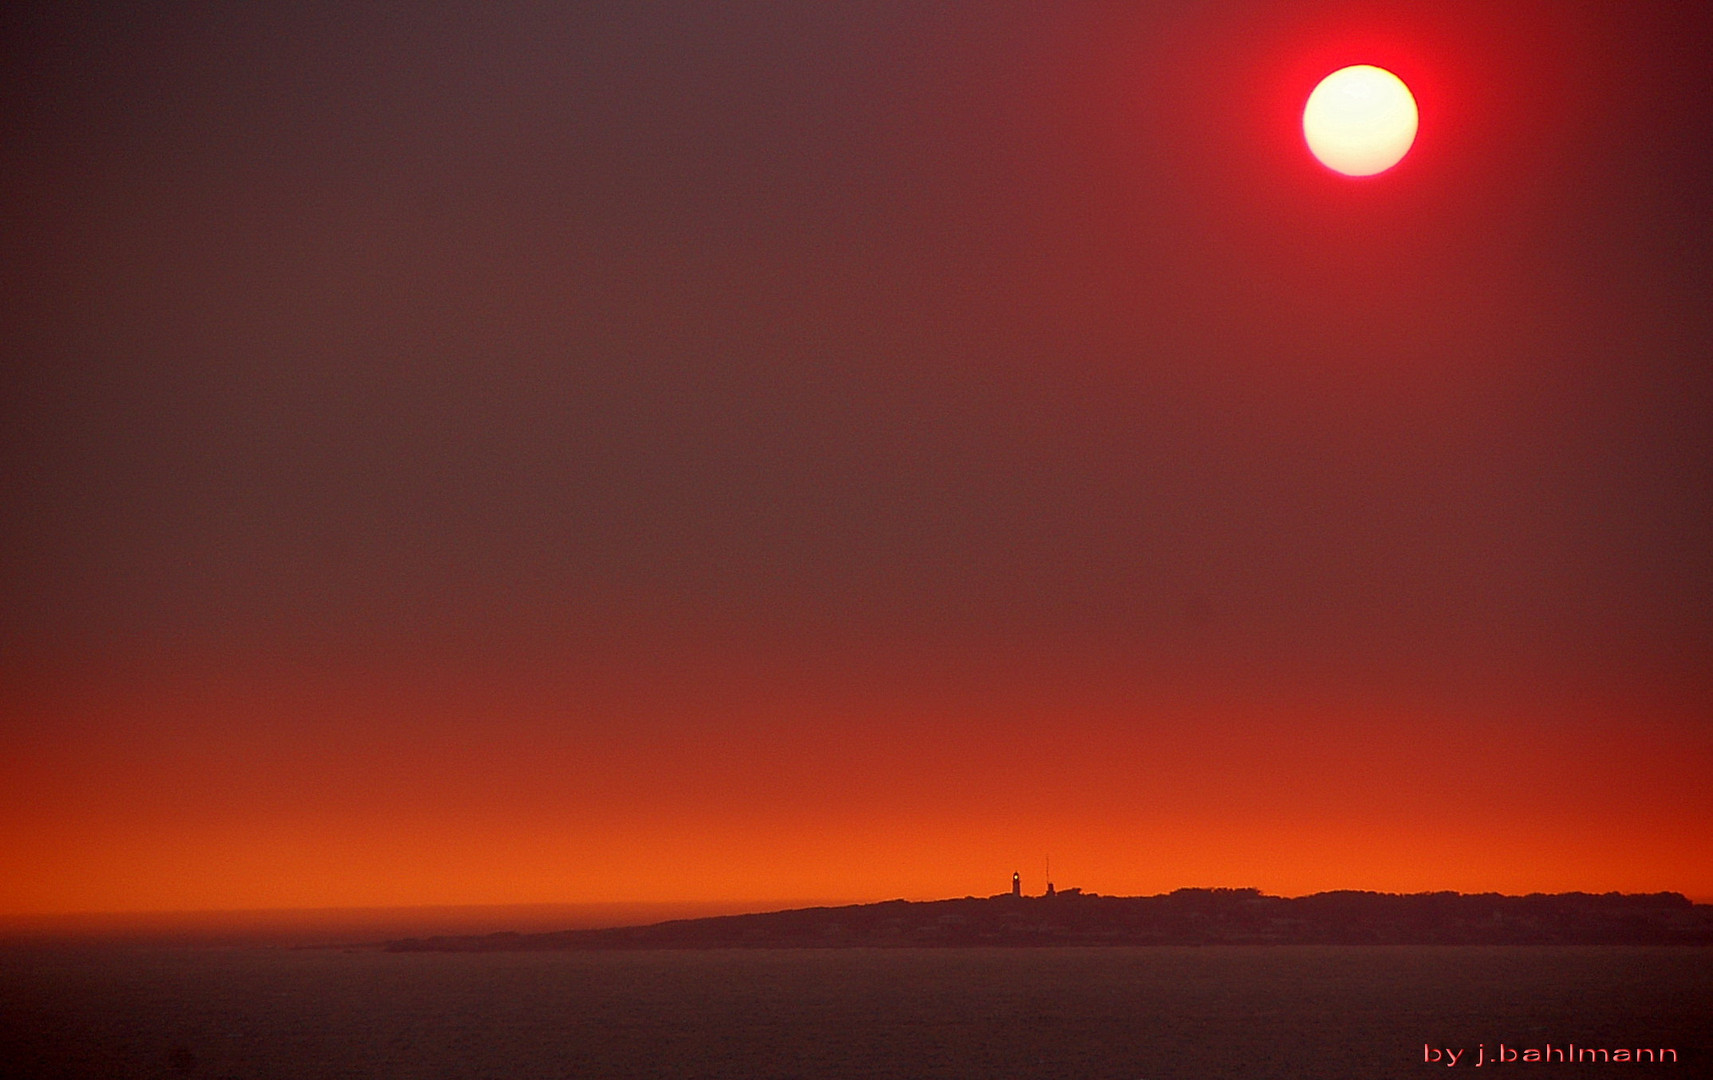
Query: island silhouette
point(1183, 917)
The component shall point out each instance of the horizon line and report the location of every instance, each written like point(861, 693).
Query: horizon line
point(758, 905)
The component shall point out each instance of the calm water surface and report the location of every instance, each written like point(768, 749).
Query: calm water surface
point(249, 1013)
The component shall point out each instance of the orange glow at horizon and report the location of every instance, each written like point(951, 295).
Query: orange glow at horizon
point(402, 806)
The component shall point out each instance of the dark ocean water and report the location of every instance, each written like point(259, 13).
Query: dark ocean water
point(249, 1013)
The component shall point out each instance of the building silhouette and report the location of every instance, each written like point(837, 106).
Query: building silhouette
point(1016, 884)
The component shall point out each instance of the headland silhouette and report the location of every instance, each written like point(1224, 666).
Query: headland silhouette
point(1183, 917)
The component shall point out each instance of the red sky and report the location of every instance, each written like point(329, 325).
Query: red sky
point(506, 454)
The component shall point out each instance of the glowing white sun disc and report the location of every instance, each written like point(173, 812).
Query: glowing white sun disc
point(1360, 120)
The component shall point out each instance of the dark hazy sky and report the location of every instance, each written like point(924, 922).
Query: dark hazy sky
point(525, 452)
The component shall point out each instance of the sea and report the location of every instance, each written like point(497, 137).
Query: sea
point(270, 1011)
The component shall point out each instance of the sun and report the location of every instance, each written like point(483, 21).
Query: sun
point(1360, 120)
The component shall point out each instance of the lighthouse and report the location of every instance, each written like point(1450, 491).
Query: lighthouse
point(1016, 884)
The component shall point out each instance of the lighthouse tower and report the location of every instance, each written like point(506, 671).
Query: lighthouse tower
point(1016, 884)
